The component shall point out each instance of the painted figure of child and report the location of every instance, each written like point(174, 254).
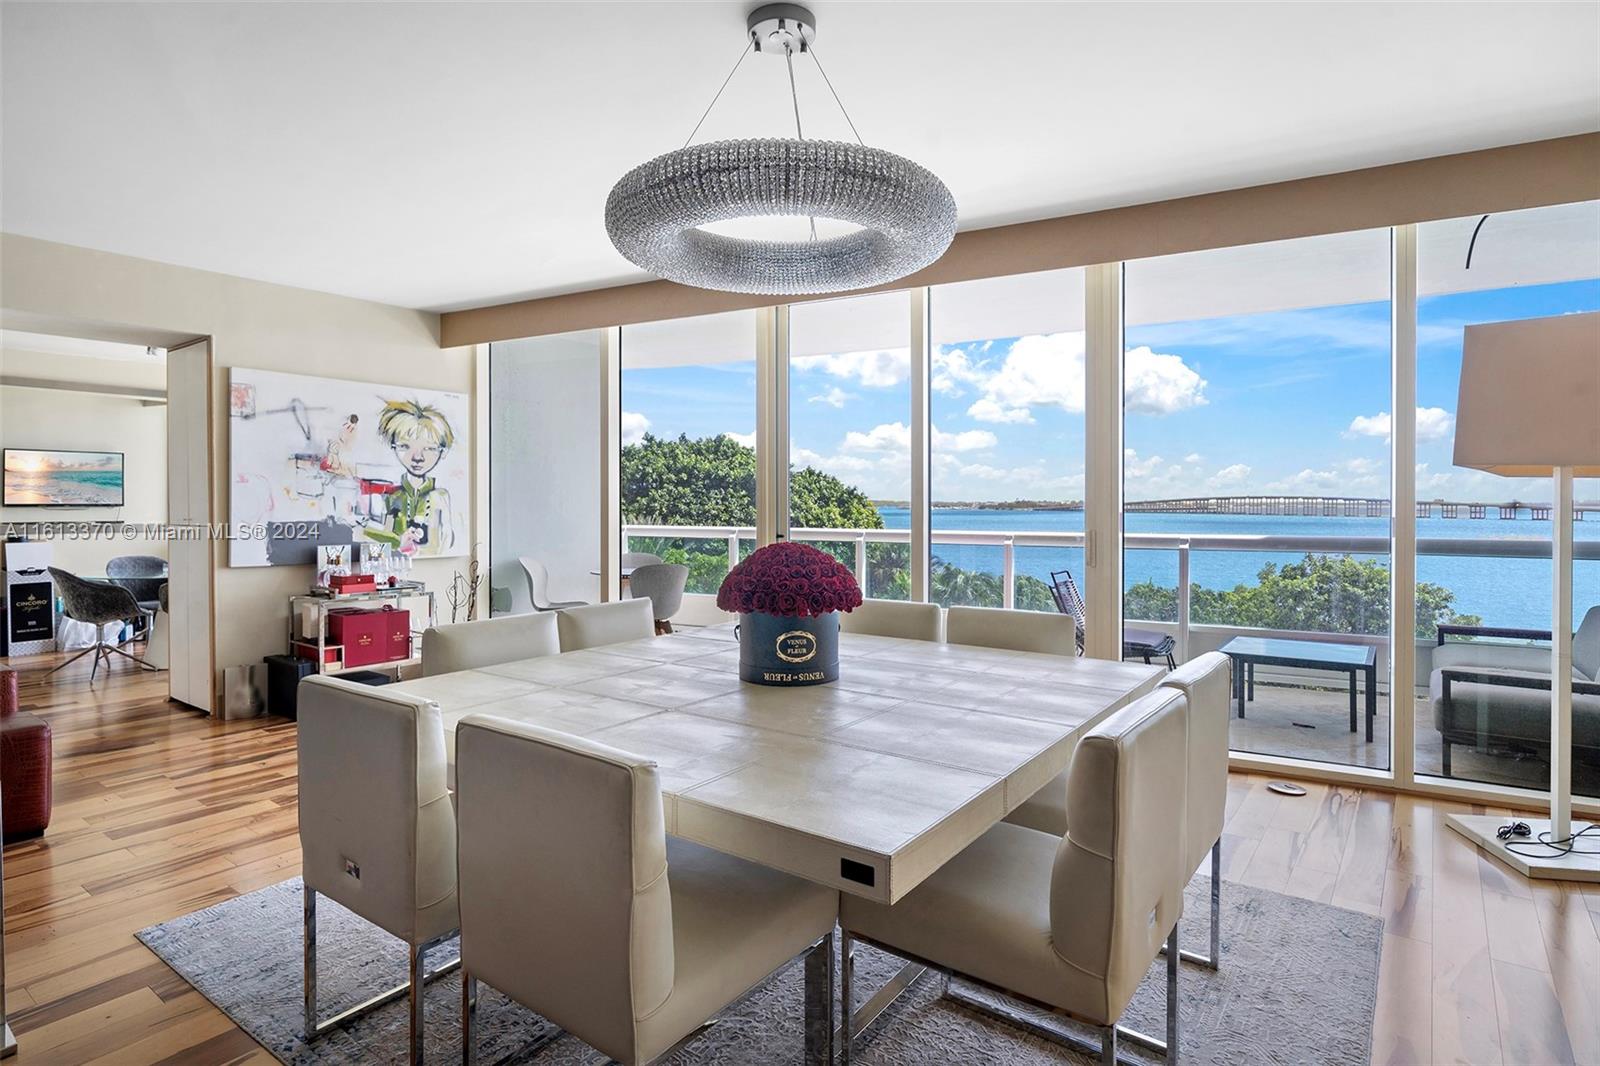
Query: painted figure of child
point(418, 520)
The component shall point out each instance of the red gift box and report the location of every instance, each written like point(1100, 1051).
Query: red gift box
point(348, 584)
point(364, 635)
point(308, 650)
point(398, 625)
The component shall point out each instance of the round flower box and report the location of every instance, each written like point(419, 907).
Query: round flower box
point(788, 597)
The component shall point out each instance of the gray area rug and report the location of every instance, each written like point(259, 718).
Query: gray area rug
point(1297, 985)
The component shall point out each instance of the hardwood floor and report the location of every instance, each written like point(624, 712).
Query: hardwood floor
point(160, 811)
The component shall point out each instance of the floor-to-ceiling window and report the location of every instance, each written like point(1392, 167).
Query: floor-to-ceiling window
point(1256, 481)
point(688, 463)
point(850, 435)
point(1483, 542)
point(544, 470)
point(1006, 403)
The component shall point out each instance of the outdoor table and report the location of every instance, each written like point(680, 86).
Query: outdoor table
point(1351, 659)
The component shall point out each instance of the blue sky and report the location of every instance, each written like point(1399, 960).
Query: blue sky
point(1292, 402)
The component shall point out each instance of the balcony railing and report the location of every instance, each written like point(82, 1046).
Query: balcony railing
point(1183, 544)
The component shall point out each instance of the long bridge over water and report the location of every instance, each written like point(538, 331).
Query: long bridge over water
point(1351, 507)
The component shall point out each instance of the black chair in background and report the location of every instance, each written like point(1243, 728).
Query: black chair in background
point(1143, 644)
point(98, 603)
point(142, 575)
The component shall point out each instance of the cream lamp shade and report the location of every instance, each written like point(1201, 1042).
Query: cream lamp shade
point(1530, 397)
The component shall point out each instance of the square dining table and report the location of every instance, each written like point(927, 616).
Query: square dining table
point(868, 784)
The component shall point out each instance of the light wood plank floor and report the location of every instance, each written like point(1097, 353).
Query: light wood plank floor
point(160, 812)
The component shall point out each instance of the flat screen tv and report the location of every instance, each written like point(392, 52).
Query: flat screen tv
point(53, 478)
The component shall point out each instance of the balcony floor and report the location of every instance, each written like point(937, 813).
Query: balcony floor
point(1276, 723)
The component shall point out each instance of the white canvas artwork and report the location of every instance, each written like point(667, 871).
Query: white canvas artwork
point(320, 461)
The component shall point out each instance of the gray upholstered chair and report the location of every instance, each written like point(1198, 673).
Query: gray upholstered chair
point(488, 642)
point(1070, 924)
point(1495, 694)
point(98, 603)
point(142, 575)
point(993, 627)
point(634, 560)
point(586, 912)
point(893, 618)
point(1205, 681)
point(539, 587)
point(377, 829)
point(606, 623)
point(662, 584)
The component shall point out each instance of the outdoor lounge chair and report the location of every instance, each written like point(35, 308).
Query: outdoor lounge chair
point(1498, 695)
point(1143, 644)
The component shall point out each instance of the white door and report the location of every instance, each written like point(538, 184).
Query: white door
point(189, 553)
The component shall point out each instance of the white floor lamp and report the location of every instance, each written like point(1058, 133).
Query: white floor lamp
point(1530, 407)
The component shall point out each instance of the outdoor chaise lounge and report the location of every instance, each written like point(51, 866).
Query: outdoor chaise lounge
point(1498, 695)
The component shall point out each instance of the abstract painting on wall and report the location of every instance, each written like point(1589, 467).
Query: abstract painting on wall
point(321, 461)
point(51, 478)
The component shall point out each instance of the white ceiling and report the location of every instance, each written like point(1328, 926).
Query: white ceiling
point(452, 155)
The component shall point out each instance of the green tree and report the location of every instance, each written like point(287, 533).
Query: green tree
point(1319, 594)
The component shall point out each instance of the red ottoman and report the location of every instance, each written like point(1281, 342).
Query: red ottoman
point(24, 766)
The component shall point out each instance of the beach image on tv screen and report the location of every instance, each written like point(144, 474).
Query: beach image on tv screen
point(62, 479)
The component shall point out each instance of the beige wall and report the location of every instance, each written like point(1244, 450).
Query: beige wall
point(1536, 174)
point(251, 324)
point(86, 421)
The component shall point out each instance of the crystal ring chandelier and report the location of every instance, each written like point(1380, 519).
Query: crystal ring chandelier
point(655, 214)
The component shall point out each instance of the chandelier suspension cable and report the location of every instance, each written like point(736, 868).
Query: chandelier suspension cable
point(748, 47)
point(788, 59)
point(829, 83)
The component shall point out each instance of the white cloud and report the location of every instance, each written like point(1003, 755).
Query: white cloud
point(1135, 467)
point(875, 369)
point(1047, 370)
point(888, 436)
point(1353, 477)
point(1377, 425)
point(747, 439)
point(1040, 370)
point(1229, 476)
point(634, 427)
point(1433, 423)
point(1193, 457)
point(953, 368)
point(1157, 384)
point(968, 440)
point(834, 397)
point(987, 410)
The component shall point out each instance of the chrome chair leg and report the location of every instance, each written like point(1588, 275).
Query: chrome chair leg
point(1108, 1046)
point(72, 660)
point(1214, 960)
point(819, 1003)
point(415, 988)
point(847, 969)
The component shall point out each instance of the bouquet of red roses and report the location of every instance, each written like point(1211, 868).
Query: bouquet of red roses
point(789, 579)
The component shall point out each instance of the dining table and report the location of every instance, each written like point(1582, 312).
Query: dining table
point(867, 784)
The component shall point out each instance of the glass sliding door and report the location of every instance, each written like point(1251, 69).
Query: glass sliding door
point(688, 419)
point(1483, 542)
point(1256, 482)
point(1007, 447)
point(850, 436)
point(544, 469)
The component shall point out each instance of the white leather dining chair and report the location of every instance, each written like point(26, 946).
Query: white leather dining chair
point(893, 618)
point(995, 627)
point(1206, 681)
point(606, 623)
point(377, 830)
point(488, 642)
point(1070, 923)
point(582, 909)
